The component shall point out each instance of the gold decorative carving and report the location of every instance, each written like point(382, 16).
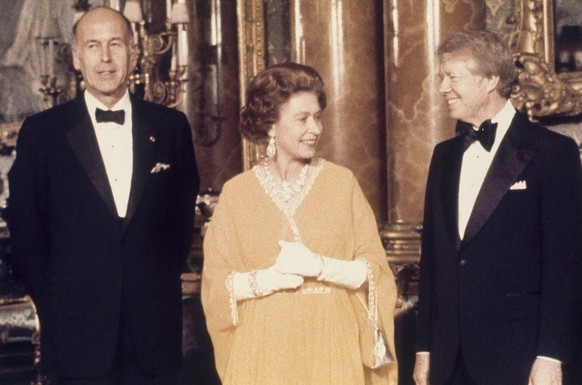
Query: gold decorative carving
point(251, 33)
point(540, 90)
point(402, 242)
point(191, 283)
point(19, 324)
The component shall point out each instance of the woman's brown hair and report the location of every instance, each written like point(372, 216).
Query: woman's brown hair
point(272, 88)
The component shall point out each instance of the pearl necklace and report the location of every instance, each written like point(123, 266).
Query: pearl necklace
point(285, 190)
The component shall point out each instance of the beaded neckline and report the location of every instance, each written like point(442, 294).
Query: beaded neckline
point(285, 190)
point(288, 206)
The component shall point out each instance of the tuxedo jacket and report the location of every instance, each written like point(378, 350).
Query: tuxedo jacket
point(83, 265)
point(507, 292)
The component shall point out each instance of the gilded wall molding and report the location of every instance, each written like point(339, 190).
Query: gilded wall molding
point(251, 30)
point(540, 90)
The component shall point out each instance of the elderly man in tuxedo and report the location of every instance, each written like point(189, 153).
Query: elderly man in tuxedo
point(501, 247)
point(100, 212)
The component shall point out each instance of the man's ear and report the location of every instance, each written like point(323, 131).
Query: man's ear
point(76, 61)
point(492, 83)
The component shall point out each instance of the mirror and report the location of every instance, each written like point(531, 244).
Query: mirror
point(549, 73)
point(568, 35)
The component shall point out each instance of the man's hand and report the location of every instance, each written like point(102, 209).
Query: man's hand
point(545, 372)
point(421, 369)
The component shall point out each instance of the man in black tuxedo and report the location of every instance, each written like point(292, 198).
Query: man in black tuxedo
point(100, 214)
point(501, 250)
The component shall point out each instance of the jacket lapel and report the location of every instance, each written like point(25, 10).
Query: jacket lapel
point(511, 159)
point(144, 139)
point(82, 139)
point(450, 190)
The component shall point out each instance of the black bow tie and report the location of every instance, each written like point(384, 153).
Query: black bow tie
point(110, 116)
point(485, 134)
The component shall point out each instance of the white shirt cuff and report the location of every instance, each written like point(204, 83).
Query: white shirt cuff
point(549, 359)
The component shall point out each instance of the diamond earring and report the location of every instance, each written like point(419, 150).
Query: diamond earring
point(271, 150)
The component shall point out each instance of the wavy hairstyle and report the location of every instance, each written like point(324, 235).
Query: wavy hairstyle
point(491, 56)
point(272, 88)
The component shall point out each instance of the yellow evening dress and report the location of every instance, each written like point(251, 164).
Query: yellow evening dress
point(294, 337)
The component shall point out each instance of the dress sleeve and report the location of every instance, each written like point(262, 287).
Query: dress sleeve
point(369, 247)
point(218, 301)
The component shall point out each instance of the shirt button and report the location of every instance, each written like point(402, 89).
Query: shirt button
point(463, 262)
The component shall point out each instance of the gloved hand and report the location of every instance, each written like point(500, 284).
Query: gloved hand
point(264, 282)
point(296, 258)
point(351, 274)
point(270, 280)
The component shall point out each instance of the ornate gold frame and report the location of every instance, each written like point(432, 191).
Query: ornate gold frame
point(251, 46)
point(541, 91)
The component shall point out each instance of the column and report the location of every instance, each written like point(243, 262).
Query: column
point(343, 41)
point(416, 115)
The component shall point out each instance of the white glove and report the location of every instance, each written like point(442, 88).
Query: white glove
point(260, 283)
point(351, 274)
point(296, 258)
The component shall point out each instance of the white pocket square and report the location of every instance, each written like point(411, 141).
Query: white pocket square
point(159, 167)
point(519, 185)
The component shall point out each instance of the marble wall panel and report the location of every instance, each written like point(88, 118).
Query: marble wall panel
point(213, 101)
point(416, 114)
point(343, 41)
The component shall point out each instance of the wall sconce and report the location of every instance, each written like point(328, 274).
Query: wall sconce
point(152, 47)
point(49, 40)
point(52, 50)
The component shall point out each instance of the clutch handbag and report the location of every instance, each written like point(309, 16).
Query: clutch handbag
point(373, 347)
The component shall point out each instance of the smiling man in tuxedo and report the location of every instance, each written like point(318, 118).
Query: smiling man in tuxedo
point(501, 243)
point(100, 212)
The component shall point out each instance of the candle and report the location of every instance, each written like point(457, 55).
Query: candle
point(51, 58)
point(182, 45)
point(42, 59)
point(173, 62)
point(168, 9)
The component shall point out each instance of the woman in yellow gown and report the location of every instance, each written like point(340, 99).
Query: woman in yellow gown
point(292, 253)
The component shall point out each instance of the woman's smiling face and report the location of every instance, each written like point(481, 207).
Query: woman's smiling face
point(299, 127)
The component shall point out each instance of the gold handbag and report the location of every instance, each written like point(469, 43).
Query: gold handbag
point(373, 346)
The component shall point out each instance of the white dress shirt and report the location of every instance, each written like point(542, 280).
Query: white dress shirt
point(116, 146)
point(476, 162)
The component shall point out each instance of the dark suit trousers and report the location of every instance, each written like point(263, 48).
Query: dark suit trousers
point(126, 369)
point(460, 375)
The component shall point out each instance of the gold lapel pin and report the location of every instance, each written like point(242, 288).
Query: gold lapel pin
point(152, 139)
